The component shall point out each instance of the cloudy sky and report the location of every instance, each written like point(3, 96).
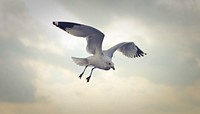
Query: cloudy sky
point(37, 75)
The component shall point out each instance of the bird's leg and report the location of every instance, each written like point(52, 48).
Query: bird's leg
point(83, 72)
point(88, 78)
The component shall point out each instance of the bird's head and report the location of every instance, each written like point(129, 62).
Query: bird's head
point(110, 64)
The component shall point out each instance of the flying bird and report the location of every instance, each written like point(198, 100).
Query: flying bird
point(101, 59)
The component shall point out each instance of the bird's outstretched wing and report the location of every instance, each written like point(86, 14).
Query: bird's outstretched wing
point(93, 36)
point(129, 49)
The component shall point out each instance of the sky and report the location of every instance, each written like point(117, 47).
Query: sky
point(38, 76)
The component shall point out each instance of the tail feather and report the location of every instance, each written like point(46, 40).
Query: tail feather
point(80, 61)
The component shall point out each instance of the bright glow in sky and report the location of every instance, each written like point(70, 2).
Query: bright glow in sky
point(37, 75)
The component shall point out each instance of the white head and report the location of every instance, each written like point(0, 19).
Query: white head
point(108, 63)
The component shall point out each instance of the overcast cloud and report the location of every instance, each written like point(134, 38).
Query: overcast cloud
point(37, 74)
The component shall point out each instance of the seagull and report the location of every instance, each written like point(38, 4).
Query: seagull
point(101, 59)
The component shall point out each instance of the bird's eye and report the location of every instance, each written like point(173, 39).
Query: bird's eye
point(109, 63)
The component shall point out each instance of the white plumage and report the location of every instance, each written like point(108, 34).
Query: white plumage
point(101, 59)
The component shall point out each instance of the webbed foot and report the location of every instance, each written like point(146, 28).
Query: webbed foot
point(88, 78)
point(80, 76)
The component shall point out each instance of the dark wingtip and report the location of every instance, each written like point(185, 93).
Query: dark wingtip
point(64, 25)
point(55, 23)
point(140, 53)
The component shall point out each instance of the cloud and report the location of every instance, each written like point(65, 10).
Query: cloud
point(38, 76)
point(127, 96)
point(23, 39)
point(16, 77)
point(179, 5)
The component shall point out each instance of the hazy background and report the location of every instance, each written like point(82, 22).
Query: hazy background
point(37, 75)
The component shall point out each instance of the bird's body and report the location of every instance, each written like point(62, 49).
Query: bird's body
point(101, 59)
point(102, 62)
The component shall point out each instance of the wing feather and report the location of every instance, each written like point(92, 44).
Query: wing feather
point(93, 36)
point(129, 49)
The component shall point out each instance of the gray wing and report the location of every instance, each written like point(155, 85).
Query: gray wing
point(129, 49)
point(93, 36)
